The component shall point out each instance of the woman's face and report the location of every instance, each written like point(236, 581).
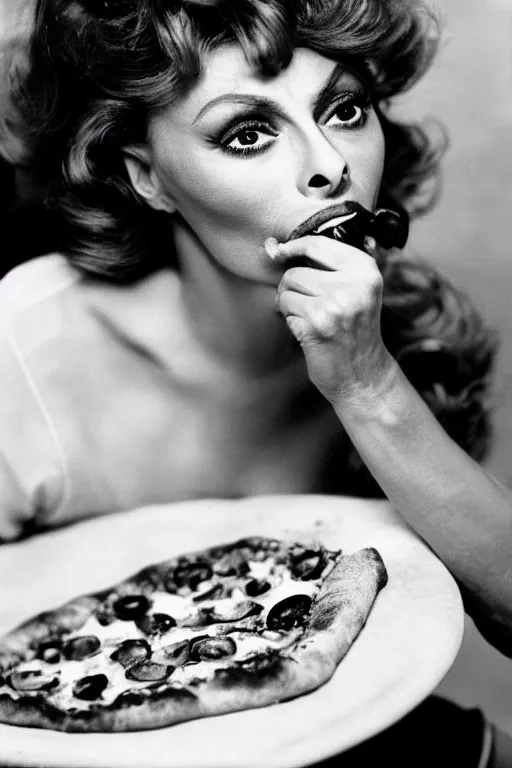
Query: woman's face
point(243, 157)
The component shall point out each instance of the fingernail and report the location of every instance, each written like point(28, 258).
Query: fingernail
point(271, 247)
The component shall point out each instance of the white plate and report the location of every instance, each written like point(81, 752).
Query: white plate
point(410, 640)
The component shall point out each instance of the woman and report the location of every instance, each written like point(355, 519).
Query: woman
point(194, 338)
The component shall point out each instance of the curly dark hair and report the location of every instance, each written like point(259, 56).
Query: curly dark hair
point(99, 68)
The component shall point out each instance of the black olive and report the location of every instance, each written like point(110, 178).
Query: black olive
point(256, 587)
point(131, 607)
point(216, 648)
point(131, 652)
point(78, 648)
point(51, 655)
point(194, 645)
point(192, 574)
point(149, 672)
point(289, 613)
point(90, 687)
point(309, 566)
point(155, 623)
point(32, 680)
point(49, 651)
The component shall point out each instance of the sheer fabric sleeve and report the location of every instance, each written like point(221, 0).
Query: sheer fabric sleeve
point(31, 467)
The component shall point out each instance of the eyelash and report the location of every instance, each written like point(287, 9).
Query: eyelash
point(360, 99)
point(255, 124)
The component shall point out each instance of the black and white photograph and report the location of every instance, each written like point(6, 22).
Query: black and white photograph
point(256, 383)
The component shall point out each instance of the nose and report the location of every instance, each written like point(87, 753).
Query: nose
point(325, 172)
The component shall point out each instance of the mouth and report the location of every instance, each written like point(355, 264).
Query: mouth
point(351, 223)
point(327, 218)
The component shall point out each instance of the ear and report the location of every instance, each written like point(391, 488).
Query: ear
point(144, 179)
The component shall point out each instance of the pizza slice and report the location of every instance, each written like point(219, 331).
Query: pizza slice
point(241, 625)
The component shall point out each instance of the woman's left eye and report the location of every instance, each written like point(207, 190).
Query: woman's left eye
point(248, 139)
point(351, 112)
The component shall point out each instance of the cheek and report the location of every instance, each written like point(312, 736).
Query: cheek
point(208, 197)
point(372, 160)
point(223, 202)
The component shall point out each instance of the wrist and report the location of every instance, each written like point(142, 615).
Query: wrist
point(379, 400)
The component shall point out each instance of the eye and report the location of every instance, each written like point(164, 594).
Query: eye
point(349, 112)
point(248, 138)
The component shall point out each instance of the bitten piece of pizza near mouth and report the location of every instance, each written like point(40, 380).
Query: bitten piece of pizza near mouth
point(236, 626)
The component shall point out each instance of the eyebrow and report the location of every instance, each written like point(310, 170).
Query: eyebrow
point(262, 102)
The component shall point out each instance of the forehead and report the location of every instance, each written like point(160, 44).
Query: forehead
point(226, 71)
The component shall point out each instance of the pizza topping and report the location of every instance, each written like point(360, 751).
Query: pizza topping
point(223, 611)
point(190, 618)
point(131, 652)
point(289, 613)
point(309, 566)
point(49, 651)
point(149, 672)
point(131, 607)
point(232, 564)
point(78, 648)
point(216, 648)
point(32, 680)
point(256, 587)
point(192, 574)
point(177, 653)
point(51, 655)
point(155, 623)
point(213, 592)
point(228, 610)
point(90, 687)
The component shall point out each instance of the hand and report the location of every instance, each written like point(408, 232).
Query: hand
point(334, 313)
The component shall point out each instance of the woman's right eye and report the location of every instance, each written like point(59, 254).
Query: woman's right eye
point(248, 138)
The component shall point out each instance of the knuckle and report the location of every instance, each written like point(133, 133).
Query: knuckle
point(288, 276)
point(291, 277)
point(324, 321)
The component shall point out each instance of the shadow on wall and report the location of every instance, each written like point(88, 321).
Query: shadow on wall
point(469, 237)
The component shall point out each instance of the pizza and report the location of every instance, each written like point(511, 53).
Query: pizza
point(241, 625)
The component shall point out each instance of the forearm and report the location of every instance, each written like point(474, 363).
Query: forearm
point(459, 510)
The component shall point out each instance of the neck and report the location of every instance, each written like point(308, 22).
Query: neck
point(234, 319)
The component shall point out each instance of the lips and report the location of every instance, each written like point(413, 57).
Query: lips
point(351, 223)
point(325, 215)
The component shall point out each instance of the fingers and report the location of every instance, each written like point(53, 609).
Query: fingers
point(302, 280)
point(291, 303)
point(320, 251)
point(295, 309)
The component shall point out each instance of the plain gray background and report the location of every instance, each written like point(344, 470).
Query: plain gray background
point(469, 236)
